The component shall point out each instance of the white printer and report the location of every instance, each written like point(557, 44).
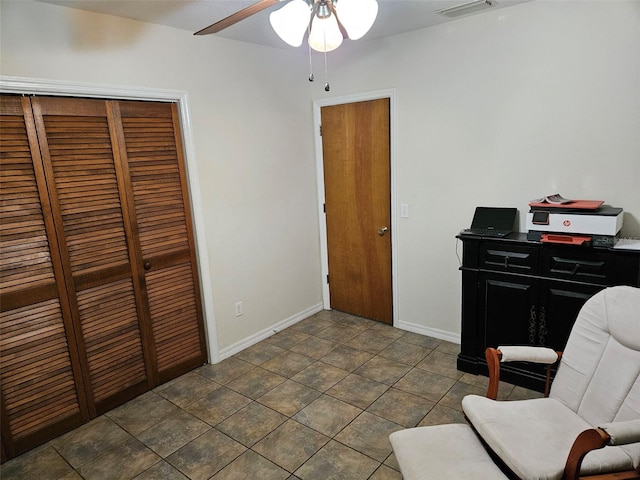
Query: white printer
point(575, 225)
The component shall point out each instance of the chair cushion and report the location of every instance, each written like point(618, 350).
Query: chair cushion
point(534, 437)
point(621, 433)
point(522, 353)
point(605, 339)
point(442, 452)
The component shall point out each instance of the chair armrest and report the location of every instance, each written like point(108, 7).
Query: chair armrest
point(591, 439)
point(494, 356)
point(622, 433)
point(542, 355)
point(615, 433)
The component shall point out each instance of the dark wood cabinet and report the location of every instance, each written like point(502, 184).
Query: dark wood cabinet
point(519, 292)
point(504, 302)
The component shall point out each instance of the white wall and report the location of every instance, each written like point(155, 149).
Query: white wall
point(497, 109)
point(493, 109)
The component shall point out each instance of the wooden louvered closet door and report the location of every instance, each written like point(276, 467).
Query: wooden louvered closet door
point(153, 149)
point(111, 183)
point(42, 383)
point(86, 190)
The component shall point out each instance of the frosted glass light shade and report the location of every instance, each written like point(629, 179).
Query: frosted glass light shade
point(325, 34)
point(357, 16)
point(291, 21)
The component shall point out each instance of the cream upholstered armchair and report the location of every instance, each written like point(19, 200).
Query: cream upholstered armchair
point(590, 422)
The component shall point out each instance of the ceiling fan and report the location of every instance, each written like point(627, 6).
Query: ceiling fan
point(237, 17)
point(327, 22)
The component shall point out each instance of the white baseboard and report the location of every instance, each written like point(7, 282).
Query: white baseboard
point(292, 320)
point(430, 332)
point(267, 332)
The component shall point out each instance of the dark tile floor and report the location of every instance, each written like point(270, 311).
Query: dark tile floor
point(316, 401)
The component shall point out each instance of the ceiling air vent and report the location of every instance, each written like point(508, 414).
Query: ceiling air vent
point(467, 8)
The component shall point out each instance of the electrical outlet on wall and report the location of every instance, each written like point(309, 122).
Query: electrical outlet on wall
point(238, 309)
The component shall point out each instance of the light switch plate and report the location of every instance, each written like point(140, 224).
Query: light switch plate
point(404, 210)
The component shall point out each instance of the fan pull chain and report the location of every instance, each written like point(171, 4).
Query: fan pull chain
point(327, 87)
point(311, 77)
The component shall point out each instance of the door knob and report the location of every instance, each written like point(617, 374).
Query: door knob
point(383, 230)
point(147, 265)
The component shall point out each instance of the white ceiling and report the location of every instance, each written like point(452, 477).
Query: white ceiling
point(394, 16)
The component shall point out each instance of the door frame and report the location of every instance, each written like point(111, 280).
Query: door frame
point(324, 252)
point(31, 86)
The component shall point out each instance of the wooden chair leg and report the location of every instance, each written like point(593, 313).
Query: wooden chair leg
point(493, 355)
point(547, 383)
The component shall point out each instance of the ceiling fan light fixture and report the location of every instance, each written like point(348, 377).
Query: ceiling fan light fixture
point(290, 22)
point(325, 34)
point(356, 16)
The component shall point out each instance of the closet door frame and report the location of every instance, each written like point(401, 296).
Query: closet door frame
point(29, 86)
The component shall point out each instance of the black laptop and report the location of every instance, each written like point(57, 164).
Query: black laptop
point(492, 222)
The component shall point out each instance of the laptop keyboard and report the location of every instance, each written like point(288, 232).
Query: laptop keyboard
point(486, 232)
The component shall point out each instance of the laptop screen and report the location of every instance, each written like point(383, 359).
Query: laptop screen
point(494, 218)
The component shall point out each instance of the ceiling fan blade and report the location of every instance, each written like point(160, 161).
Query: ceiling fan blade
point(237, 17)
point(343, 30)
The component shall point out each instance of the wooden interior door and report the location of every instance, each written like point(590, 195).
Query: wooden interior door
point(40, 368)
point(357, 182)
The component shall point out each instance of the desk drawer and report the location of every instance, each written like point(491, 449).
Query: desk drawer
point(509, 258)
point(588, 266)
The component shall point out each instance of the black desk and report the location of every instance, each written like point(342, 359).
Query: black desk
point(520, 292)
